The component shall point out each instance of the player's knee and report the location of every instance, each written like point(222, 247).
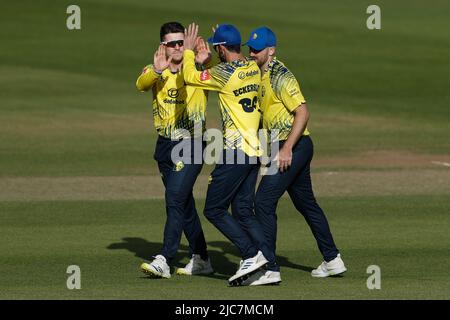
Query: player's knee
point(176, 197)
point(212, 213)
point(263, 206)
point(309, 209)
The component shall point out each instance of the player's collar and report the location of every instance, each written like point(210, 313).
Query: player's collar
point(168, 73)
point(239, 63)
point(178, 71)
point(271, 63)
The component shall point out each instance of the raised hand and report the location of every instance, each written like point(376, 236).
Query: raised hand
point(160, 61)
point(190, 36)
point(203, 53)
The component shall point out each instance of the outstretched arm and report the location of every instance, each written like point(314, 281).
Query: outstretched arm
point(206, 79)
point(152, 72)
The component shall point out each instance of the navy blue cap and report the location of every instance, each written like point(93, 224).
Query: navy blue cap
point(262, 38)
point(226, 34)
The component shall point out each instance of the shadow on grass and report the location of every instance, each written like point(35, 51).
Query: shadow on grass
point(145, 250)
point(227, 247)
point(223, 267)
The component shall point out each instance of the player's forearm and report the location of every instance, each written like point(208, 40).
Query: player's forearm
point(189, 69)
point(198, 79)
point(299, 125)
point(147, 79)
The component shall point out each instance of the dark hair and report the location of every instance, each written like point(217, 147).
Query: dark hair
point(234, 48)
point(170, 27)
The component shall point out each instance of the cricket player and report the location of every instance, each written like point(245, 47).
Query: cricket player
point(179, 114)
point(237, 80)
point(285, 116)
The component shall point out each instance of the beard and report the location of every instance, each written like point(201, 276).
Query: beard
point(177, 60)
point(260, 63)
point(222, 57)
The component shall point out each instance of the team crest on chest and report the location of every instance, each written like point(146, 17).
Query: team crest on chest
point(173, 93)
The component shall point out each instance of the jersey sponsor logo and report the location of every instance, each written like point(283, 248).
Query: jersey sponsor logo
point(173, 101)
point(242, 75)
point(246, 89)
point(293, 92)
point(173, 93)
point(205, 75)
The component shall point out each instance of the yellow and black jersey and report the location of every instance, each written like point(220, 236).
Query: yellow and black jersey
point(178, 110)
point(279, 96)
point(237, 83)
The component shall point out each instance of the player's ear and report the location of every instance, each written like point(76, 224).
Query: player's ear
point(272, 51)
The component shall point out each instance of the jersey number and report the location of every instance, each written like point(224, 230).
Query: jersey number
point(248, 105)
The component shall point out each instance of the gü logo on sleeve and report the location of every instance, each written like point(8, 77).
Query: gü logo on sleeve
point(204, 75)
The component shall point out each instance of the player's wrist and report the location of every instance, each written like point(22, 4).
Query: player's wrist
point(207, 60)
point(157, 70)
point(189, 44)
point(287, 146)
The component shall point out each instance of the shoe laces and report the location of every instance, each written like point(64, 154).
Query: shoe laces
point(159, 261)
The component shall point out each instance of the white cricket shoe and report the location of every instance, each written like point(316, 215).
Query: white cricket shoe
point(196, 266)
point(332, 268)
point(158, 268)
point(263, 277)
point(249, 265)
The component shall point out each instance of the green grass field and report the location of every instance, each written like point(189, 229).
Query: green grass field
point(78, 185)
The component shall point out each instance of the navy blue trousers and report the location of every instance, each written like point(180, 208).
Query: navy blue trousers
point(297, 182)
point(180, 205)
point(234, 184)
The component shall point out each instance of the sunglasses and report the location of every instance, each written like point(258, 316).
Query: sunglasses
point(173, 43)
